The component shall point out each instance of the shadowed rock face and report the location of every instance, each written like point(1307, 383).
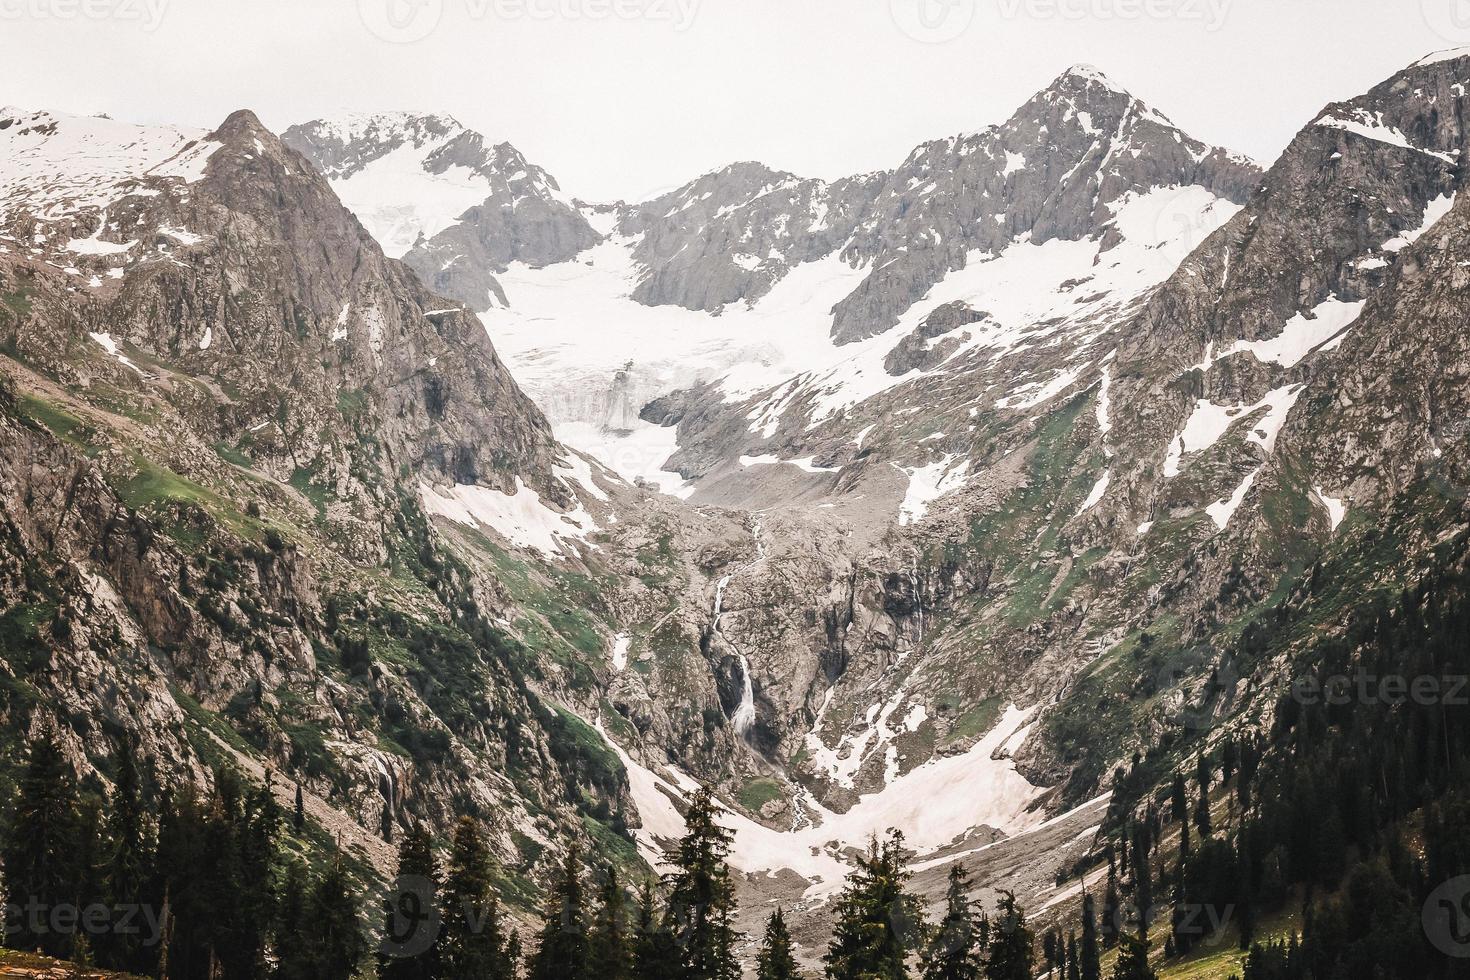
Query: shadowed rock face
point(244, 398)
point(508, 210)
point(731, 235)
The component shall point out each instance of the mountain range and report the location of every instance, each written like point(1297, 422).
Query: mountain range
point(974, 497)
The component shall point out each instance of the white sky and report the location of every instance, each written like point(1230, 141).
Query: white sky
point(629, 107)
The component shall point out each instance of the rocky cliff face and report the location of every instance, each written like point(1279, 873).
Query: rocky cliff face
point(730, 236)
point(224, 412)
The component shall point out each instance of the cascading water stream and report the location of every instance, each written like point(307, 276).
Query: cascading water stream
point(744, 717)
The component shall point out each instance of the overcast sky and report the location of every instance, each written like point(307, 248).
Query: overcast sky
point(626, 98)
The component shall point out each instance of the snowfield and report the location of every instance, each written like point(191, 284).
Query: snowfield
point(935, 804)
point(572, 328)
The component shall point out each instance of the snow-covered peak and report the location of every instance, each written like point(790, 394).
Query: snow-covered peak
point(55, 165)
point(1439, 57)
point(349, 141)
point(1088, 74)
point(409, 176)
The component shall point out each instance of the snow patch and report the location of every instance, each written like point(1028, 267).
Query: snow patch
point(1336, 507)
point(521, 518)
point(1222, 510)
point(927, 484)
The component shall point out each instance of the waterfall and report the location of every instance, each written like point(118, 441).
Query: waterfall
point(720, 599)
point(744, 717)
point(918, 595)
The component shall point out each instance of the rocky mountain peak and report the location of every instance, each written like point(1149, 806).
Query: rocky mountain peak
point(341, 146)
point(455, 206)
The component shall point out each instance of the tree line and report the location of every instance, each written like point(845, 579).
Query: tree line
point(205, 887)
point(1351, 810)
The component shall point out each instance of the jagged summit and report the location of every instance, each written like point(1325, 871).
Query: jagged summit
point(454, 205)
point(1088, 74)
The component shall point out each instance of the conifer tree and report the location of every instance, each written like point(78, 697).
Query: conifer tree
point(775, 960)
point(472, 944)
point(334, 931)
point(562, 947)
point(654, 951)
point(1049, 951)
point(1074, 967)
point(1011, 954)
point(292, 945)
point(39, 853)
point(876, 918)
point(1089, 957)
point(127, 861)
point(1112, 909)
point(1202, 814)
point(954, 950)
point(412, 918)
point(1133, 959)
point(702, 896)
point(610, 952)
point(257, 839)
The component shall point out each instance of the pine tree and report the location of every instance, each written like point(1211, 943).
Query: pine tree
point(610, 952)
point(298, 817)
point(1074, 967)
point(1202, 813)
point(39, 853)
point(1112, 910)
point(1143, 894)
point(954, 950)
point(1202, 807)
point(257, 838)
point(775, 960)
point(1012, 952)
point(876, 918)
point(1049, 950)
point(562, 948)
point(127, 861)
point(1133, 959)
point(294, 955)
point(1089, 958)
point(472, 945)
point(334, 932)
point(412, 918)
point(702, 896)
point(654, 951)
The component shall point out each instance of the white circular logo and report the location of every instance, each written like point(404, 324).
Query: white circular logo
point(1450, 19)
point(932, 21)
point(400, 21)
point(1446, 917)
